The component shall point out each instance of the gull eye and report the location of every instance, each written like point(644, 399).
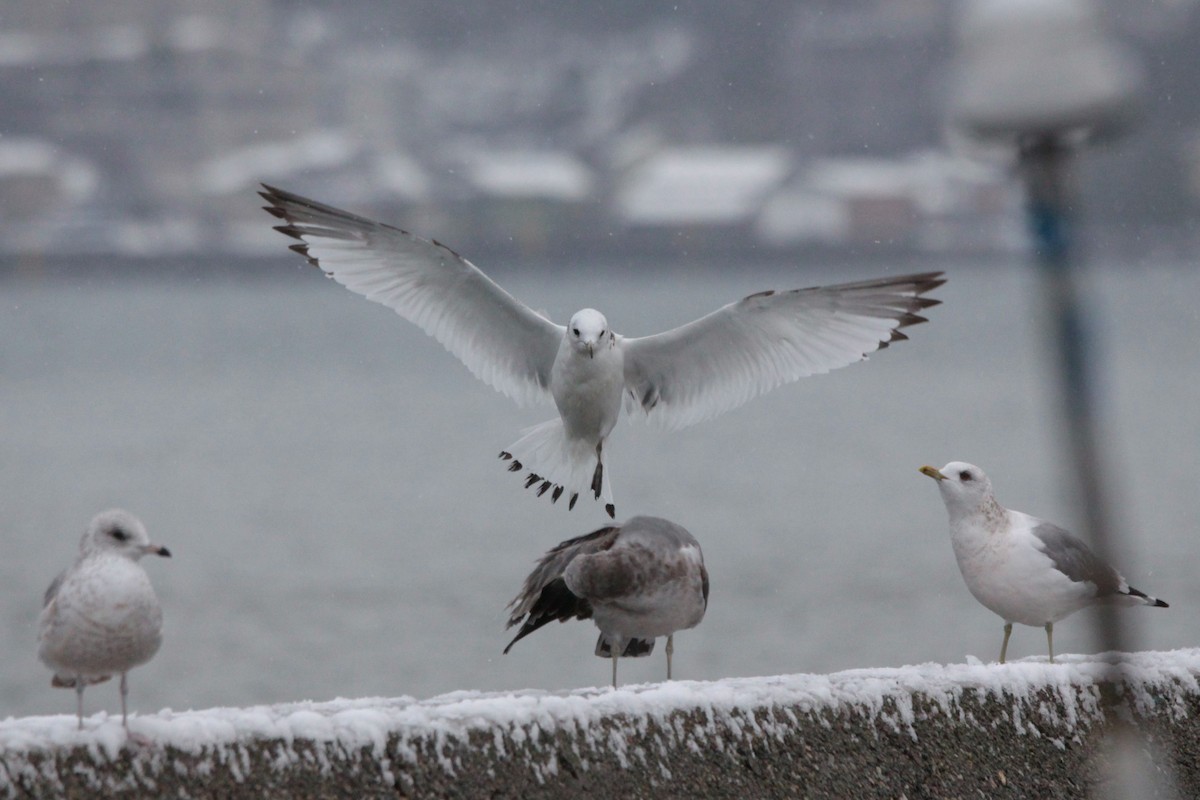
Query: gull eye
point(575, 331)
point(965, 476)
point(120, 535)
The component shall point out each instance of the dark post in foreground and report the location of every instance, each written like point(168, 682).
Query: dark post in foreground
point(1043, 79)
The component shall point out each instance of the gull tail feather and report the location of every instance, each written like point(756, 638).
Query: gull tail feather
point(634, 648)
point(557, 466)
point(1146, 599)
point(73, 681)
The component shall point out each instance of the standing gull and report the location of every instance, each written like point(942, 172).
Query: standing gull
point(677, 378)
point(1023, 568)
point(100, 615)
point(636, 581)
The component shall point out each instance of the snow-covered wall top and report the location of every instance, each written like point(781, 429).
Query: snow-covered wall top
point(944, 729)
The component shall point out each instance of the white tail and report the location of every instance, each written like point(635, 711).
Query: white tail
point(559, 466)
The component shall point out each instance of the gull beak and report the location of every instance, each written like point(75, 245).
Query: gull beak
point(156, 550)
point(591, 350)
point(932, 472)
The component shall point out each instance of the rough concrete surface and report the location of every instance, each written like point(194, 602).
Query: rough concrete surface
point(983, 741)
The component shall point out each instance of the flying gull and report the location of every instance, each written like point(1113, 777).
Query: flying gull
point(100, 615)
point(636, 581)
point(1023, 568)
point(677, 378)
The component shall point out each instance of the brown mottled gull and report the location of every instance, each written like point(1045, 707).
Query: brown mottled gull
point(636, 581)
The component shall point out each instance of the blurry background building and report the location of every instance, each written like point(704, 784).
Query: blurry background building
point(134, 127)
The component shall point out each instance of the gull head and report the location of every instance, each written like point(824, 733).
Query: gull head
point(586, 330)
point(964, 487)
point(119, 532)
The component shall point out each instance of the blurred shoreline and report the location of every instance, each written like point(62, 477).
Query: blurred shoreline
point(1167, 244)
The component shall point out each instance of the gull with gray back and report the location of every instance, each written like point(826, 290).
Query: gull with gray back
point(683, 376)
point(1023, 568)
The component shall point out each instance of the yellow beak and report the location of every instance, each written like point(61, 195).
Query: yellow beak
point(932, 472)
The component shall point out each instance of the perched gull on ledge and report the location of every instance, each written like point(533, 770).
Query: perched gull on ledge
point(1023, 568)
point(100, 615)
point(677, 378)
point(637, 581)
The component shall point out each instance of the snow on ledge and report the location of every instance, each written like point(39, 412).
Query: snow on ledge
point(886, 695)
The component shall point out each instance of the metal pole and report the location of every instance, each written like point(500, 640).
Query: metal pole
point(1045, 161)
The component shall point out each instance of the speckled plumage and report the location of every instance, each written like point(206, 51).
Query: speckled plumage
point(101, 616)
point(636, 581)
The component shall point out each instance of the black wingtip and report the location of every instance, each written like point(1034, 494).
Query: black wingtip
point(611, 509)
point(1143, 596)
point(529, 627)
point(291, 231)
point(554, 602)
point(276, 196)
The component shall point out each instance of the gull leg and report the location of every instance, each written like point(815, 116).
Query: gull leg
point(1004, 647)
point(135, 738)
point(600, 481)
point(598, 475)
point(670, 651)
point(124, 694)
point(615, 653)
point(79, 685)
point(1050, 640)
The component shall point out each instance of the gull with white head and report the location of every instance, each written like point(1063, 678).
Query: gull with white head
point(1023, 568)
point(677, 378)
point(636, 581)
point(100, 616)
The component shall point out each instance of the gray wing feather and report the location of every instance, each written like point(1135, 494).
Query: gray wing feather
point(551, 566)
point(52, 589)
point(720, 361)
point(502, 341)
point(1075, 559)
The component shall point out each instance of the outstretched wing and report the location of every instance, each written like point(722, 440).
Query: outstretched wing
point(544, 597)
point(714, 364)
point(502, 341)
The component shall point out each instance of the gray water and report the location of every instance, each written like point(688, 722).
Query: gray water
point(327, 479)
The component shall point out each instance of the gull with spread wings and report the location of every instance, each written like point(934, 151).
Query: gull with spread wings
point(677, 378)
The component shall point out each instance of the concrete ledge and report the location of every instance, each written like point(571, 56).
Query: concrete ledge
point(1028, 729)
